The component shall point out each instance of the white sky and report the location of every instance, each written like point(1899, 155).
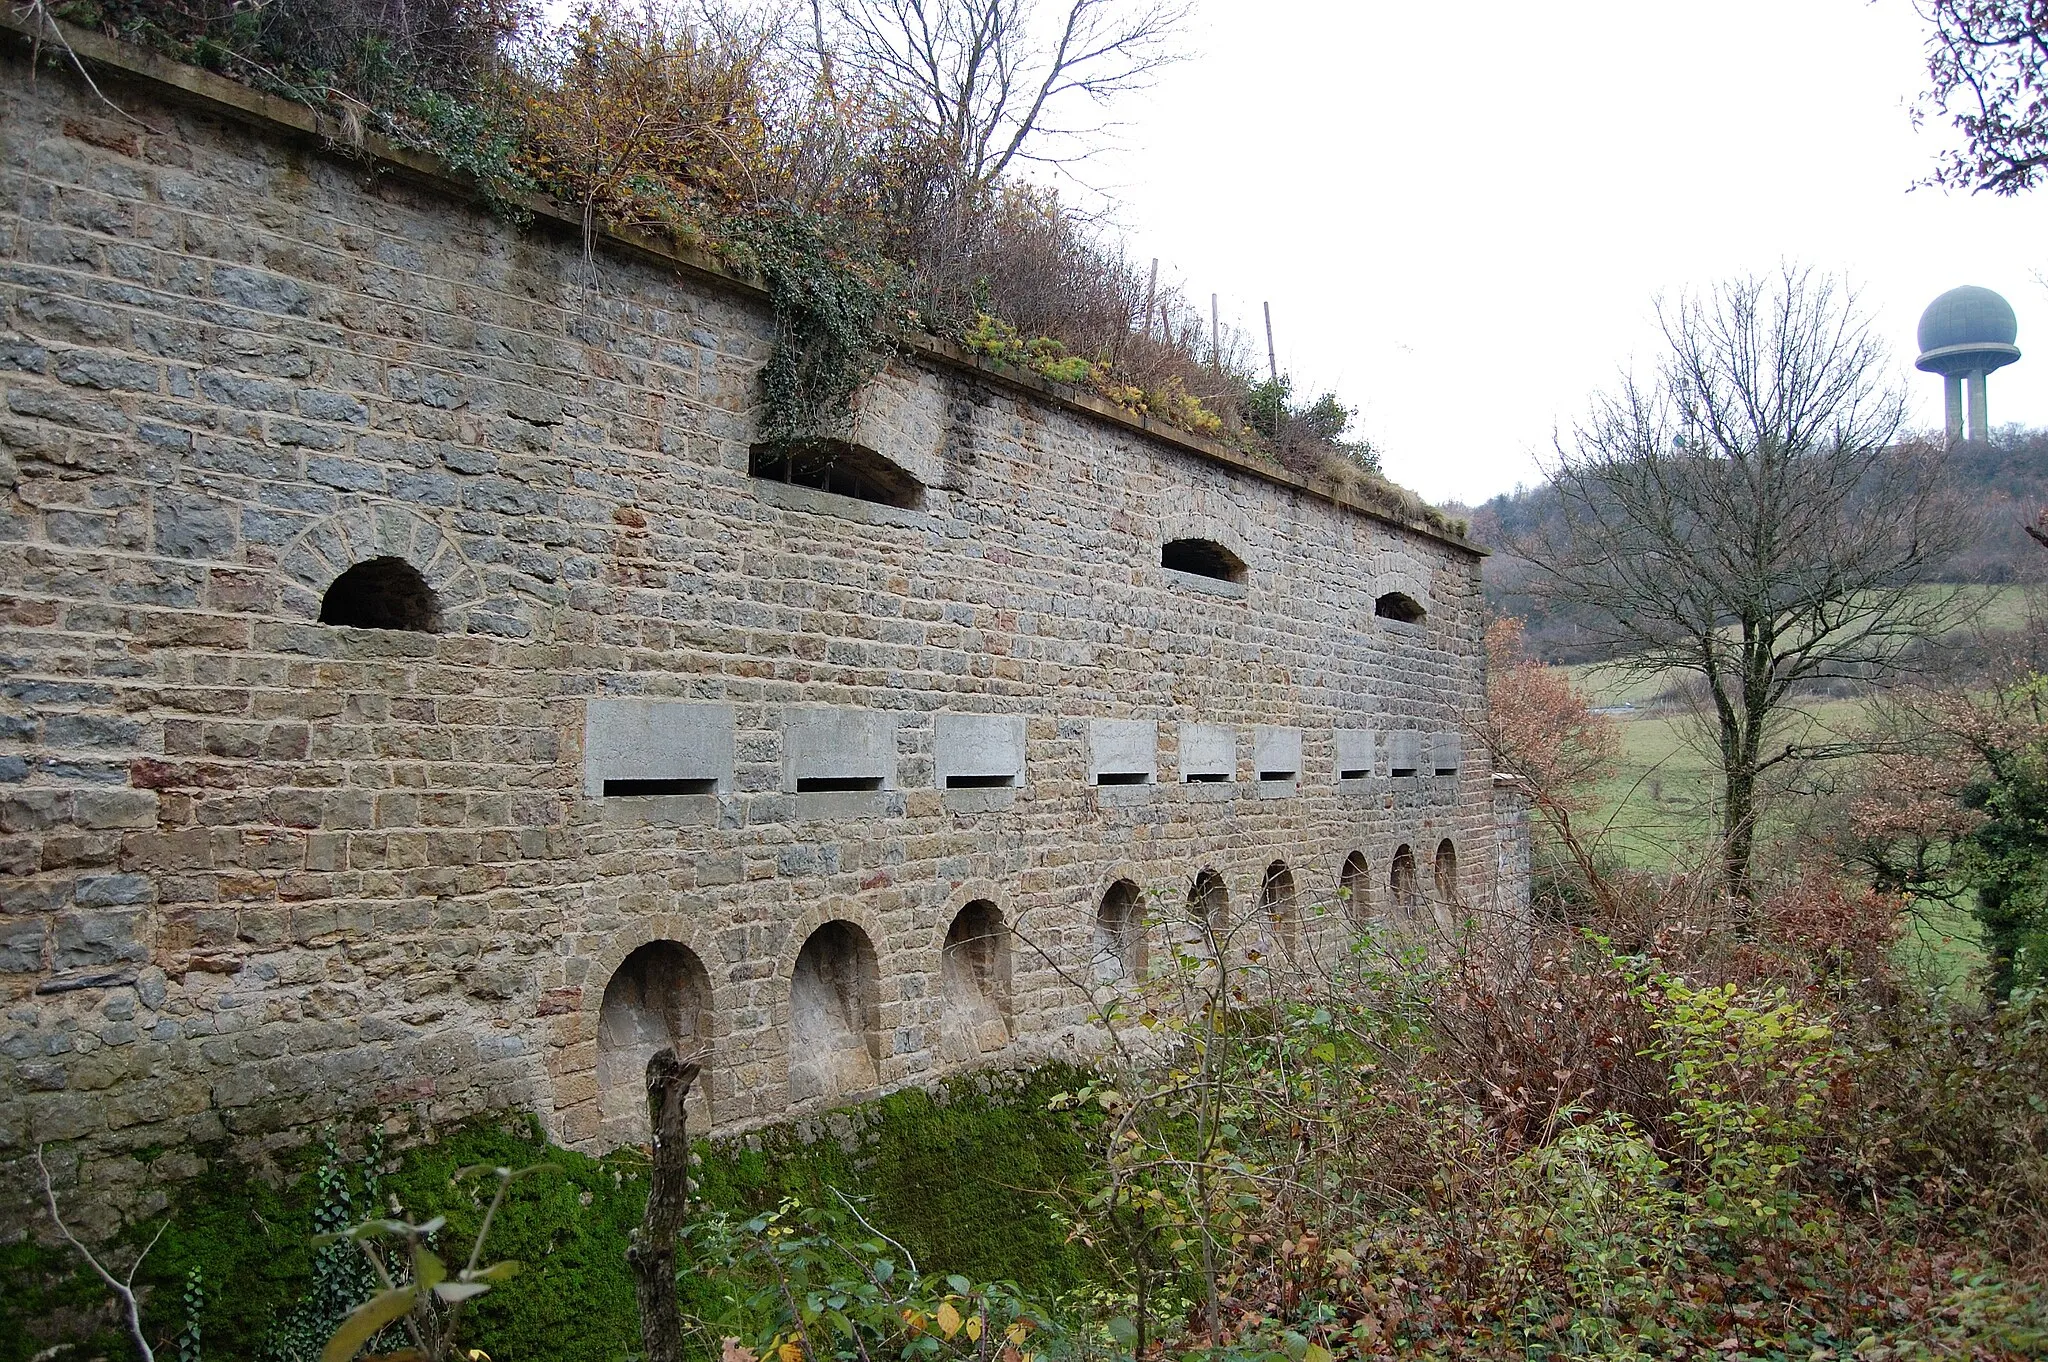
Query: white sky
point(1462, 213)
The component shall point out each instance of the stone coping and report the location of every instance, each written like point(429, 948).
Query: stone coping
point(192, 85)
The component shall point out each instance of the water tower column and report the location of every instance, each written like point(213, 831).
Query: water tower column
point(1980, 420)
point(1954, 385)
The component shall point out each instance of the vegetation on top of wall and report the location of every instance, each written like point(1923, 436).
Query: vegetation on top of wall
point(721, 130)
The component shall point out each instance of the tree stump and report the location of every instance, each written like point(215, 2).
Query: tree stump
point(653, 1250)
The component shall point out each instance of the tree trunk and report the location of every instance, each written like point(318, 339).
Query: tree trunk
point(1738, 842)
point(653, 1251)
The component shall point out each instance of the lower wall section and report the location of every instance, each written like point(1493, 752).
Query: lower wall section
point(963, 1177)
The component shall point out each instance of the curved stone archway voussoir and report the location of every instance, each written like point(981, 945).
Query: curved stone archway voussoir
point(329, 547)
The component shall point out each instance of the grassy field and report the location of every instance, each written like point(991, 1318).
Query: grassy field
point(1660, 808)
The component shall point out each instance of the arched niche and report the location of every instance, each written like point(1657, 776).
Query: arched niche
point(382, 593)
point(1202, 558)
point(835, 1016)
point(975, 979)
point(1279, 913)
point(1208, 913)
point(1402, 884)
point(658, 998)
point(1354, 886)
point(1120, 934)
point(1399, 607)
point(1447, 895)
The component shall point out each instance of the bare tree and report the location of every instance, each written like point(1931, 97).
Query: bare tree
point(981, 78)
point(1987, 61)
point(1750, 516)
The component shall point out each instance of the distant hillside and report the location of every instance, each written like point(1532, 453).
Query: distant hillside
point(2003, 481)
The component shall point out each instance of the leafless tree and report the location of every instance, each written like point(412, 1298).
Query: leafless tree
point(1987, 64)
point(983, 78)
point(1750, 516)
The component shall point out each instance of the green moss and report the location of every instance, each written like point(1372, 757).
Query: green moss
point(969, 1182)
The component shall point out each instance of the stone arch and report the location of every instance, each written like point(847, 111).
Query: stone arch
point(1279, 913)
point(1403, 886)
point(1354, 887)
point(659, 998)
point(1118, 944)
point(329, 547)
point(575, 1063)
point(974, 979)
point(1208, 911)
point(835, 1015)
point(1400, 577)
point(1198, 513)
point(1447, 872)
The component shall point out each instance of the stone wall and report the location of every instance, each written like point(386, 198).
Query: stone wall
point(262, 871)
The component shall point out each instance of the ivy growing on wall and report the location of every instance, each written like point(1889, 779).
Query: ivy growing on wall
point(833, 303)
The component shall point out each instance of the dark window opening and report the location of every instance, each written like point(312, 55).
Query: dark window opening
point(979, 782)
point(1356, 773)
point(835, 466)
point(836, 784)
point(1123, 778)
point(1120, 934)
point(1446, 770)
point(660, 787)
point(1203, 558)
point(382, 593)
point(1404, 770)
point(1205, 777)
point(1278, 775)
point(1399, 607)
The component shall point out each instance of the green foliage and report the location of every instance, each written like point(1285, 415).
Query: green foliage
point(417, 1295)
point(2006, 859)
point(812, 1283)
point(833, 302)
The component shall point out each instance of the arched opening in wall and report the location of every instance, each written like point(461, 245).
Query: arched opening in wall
point(1280, 915)
point(1208, 924)
point(1401, 879)
point(1203, 558)
point(381, 593)
point(975, 969)
point(1447, 871)
point(838, 467)
point(834, 1016)
point(658, 999)
point(1120, 934)
point(1400, 607)
point(1354, 886)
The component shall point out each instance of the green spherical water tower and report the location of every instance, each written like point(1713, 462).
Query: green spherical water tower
point(1964, 335)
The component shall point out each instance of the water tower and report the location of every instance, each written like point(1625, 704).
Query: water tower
point(1965, 334)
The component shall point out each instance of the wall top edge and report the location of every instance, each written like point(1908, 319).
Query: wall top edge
point(270, 113)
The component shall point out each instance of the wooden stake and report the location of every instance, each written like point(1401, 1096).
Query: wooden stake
point(1215, 337)
point(1272, 364)
point(1151, 290)
point(652, 1253)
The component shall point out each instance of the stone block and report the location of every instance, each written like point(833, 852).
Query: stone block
point(1208, 753)
point(837, 750)
point(1123, 751)
point(977, 750)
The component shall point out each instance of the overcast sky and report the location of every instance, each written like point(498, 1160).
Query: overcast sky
point(1462, 213)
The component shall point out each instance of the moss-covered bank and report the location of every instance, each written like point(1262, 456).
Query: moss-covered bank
point(969, 1180)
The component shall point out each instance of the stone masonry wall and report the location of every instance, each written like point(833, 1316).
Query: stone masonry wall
point(261, 871)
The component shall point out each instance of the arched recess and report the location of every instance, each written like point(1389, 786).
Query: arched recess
point(658, 998)
point(1354, 886)
point(382, 593)
point(1399, 607)
point(835, 1020)
point(1279, 913)
point(1119, 955)
point(974, 968)
point(1402, 883)
point(332, 546)
point(1202, 558)
point(1208, 914)
point(1447, 871)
